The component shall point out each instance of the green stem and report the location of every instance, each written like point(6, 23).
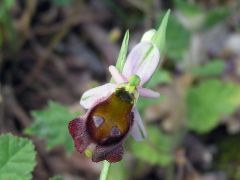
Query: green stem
point(105, 169)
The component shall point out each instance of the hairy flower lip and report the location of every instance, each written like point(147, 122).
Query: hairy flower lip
point(82, 139)
point(112, 153)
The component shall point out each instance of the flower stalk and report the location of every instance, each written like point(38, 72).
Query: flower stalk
point(105, 170)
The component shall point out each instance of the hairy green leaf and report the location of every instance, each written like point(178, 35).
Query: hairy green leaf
point(51, 124)
point(17, 158)
point(208, 102)
point(156, 149)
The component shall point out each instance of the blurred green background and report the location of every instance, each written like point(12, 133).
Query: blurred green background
point(51, 51)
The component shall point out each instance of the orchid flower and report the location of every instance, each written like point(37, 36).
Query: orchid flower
point(111, 108)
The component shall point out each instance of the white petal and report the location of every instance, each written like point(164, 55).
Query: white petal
point(144, 92)
point(90, 97)
point(142, 61)
point(117, 76)
point(138, 130)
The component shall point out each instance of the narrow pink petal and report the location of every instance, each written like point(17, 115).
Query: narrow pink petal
point(91, 96)
point(142, 61)
point(138, 130)
point(116, 75)
point(144, 92)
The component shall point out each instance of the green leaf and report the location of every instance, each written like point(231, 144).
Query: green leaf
point(187, 8)
point(5, 5)
point(216, 16)
point(123, 52)
point(178, 39)
point(9, 3)
point(7, 30)
point(156, 149)
point(17, 158)
point(159, 37)
point(208, 102)
point(51, 124)
point(212, 68)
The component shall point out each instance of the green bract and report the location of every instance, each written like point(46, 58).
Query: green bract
point(159, 37)
point(123, 52)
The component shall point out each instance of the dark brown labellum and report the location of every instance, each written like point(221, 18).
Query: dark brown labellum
point(110, 120)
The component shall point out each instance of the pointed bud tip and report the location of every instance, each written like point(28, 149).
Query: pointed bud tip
point(147, 36)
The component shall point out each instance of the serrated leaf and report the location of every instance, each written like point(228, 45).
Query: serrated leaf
point(123, 52)
point(208, 102)
point(51, 124)
point(156, 149)
point(212, 68)
point(159, 37)
point(17, 158)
